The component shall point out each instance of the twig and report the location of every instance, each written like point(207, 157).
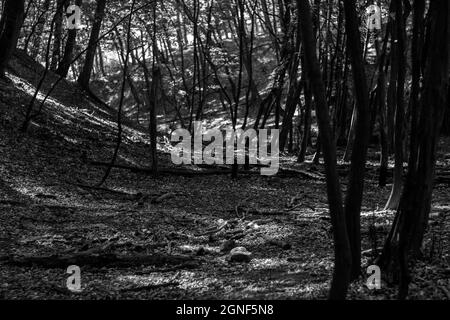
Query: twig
point(207, 233)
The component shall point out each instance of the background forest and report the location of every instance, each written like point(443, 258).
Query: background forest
point(358, 89)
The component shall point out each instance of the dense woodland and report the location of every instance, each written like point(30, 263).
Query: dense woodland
point(364, 117)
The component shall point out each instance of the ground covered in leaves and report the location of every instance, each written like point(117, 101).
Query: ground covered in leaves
point(169, 237)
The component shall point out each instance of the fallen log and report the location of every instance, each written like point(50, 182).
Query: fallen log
point(206, 172)
point(97, 260)
point(169, 171)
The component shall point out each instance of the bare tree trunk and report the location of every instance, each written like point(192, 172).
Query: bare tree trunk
point(63, 67)
point(381, 102)
point(156, 78)
point(351, 136)
point(122, 55)
point(307, 121)
point(286, 56)
point(342, 254)
point(40, 29)
point(10, 24)
point(407, 232)
point(101, 60)
point(316, 158)
point(399, 27)
point(355, 190)
point(294, 91)
point(121, 100)
point(446, 125)
point(153, 91)
point(56, 53)
point(85, 74)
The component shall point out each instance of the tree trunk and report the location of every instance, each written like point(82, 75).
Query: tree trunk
point(407, 232)
point(307, 122)
point(10, 24)
point(39, 29)
point(294, 91)
point(341, 274)
point(354, 196)
point(64, 64)
point(351, 136)
point(153, 92)
point(381, 104)
point(399, 30)
point(85, 74)
point(446, 124)
point(121, 99)
point(56, 53)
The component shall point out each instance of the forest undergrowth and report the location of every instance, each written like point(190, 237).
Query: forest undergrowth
point(167, 237)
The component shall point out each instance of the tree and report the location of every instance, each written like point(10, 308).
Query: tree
point(399, 62)
point(354, 196)
point(57, 34)
point(342, 254)
point(405, 238)
point(66, 60)
point(39, 27)
point(121, 99)
point(10, 24)
point(85, 75)
point(446, 124)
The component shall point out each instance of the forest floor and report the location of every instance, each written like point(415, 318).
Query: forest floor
point(161, 238)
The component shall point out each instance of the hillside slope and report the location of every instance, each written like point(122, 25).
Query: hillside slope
point(170, 229)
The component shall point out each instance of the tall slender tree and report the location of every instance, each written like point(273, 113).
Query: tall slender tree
point(85, 75)
point(64, 64)
point(400, 64)
point(10, 24)
point(406, 236)
point(355, 190)
point(342, 255)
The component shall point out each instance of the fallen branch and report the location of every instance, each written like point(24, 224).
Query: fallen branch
point(97, 260)
point(220, 171)
point(184, 266)
point(167, 171)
